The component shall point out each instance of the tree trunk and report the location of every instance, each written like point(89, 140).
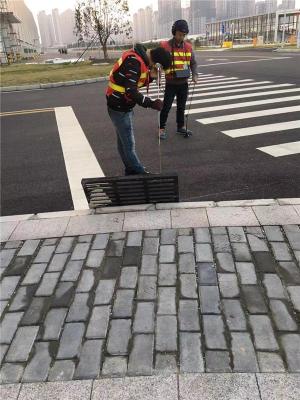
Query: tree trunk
point(105, 52)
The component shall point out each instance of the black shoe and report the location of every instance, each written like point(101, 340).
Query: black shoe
point(184, 132)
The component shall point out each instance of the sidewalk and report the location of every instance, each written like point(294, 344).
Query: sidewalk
point(183, 301)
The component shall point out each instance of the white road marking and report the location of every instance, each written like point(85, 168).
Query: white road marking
point(224, 85)
point(243, 104)
point(283, 149)
point(79, 157)
point(259, 129)
point(244, 61)
point(252, 114)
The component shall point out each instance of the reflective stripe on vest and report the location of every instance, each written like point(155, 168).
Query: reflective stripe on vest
point(179, 58)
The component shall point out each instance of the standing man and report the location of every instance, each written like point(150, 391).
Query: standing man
point(135, 69)
point(183, 62)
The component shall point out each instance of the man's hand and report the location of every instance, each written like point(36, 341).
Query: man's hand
point(195, 79)
point(153, 72)
point(157, 105)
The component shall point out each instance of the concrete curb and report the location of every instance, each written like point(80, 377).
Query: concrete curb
point(52, 85)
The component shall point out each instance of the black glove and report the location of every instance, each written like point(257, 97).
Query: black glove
point(157, 105)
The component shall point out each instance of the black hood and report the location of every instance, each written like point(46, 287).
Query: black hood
point(142, 52)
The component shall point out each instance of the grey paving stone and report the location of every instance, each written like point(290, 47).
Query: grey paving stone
point(150, 245)
point(22, 298)
point(36, 311)
point(225, 262)
point(17, 266)
point(166, 333)
point(214, 330)
point(79, 309)
point(289, 272)
point(236, 234)
point(141, 356)
point(228, 285)
point(291, 345)
point(149, 265)
point(187, 263)
point(9, 326)
point(29, 247)
point(202, 235)
point(65, 245)
point(207, 274)
point(53, 323)
point(188, 315)
point(118, 235)
point(246, 272)
point(217, 361)
point(257, 243)
point(38, 367)
point(50, 242)
point(11, 373)
point(100, 241)
point(166, 300)
point(6, 256)
point(297, 256)
point(118, 337)
point(48, 284)
point(221, 244)
point(89, 360)
point(270, 362)
point(128, 279)
point(165, 364)
point(34, 274)
point(144, 318)
point(168, 236)
point(3, 350)
point(204, 252)
point(72, 271)
point(294, 239)
point(188, 286)
point(104, 292)
point(167, 254)
point(218, 230)
point(185, 244)
point(134, 239)
point(235, 316)
point(273, 286)
point(115, 248)
point(63, 294)
point(294, 292)
point(184, 231)
point(123, 305)
point(279, 386)
point(254, 230)
point(273, 233)
point(167, 275)
point(114, 366)
point(95, 258)
point(85, 238)
point(80, 251)
point(241, 252)
point(209, 299)
point(58, 262)
point(22, 344)
point(264, 337)
point(111, 267)
point(191, 359)
point(264, 261)
point(152, 233)
point(3, 304)
point(254, 299)
point(44, 255)
point(62, 371)
point(244, 357)
point(132, 256)
point(13, 244)
point(86, 281)
point(98, 324)
point(147, 288)
point(70, 341)
point(8, 286)
point(284, 321)
point(281, 251)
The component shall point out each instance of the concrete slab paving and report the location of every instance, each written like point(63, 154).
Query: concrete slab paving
point(9, 392)
point(189, 218)
point(146, 220)
point(279, 386)
point(276, 215)
point(6, 230)
point(90, 224)
point(232, 216)
point(36, 229)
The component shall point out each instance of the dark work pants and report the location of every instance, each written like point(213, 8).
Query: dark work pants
point(181, 93)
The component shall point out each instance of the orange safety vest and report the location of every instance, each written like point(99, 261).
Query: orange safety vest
point(143, 80)
point(179, 57)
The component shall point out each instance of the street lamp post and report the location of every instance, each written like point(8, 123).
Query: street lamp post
point(283, 32)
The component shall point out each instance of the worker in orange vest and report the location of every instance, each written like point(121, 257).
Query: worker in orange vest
point(183, 63)
point(136, 68)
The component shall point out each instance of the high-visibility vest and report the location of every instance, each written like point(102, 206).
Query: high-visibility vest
point(180, 57)
point(143, 80)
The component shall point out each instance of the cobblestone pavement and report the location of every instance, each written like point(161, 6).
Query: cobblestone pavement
point(151, 302)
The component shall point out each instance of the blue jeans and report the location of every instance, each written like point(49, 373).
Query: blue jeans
point(123, 122)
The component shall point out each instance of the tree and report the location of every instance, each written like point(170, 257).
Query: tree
point(102, 18)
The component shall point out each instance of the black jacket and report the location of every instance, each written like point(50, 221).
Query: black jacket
point(128, 76)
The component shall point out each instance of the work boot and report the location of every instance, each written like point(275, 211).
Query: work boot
point(163, 134)
point(184, 132)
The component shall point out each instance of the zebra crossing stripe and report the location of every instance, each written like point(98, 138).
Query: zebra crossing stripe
point(243, 104)
point(226, 86)
point(259, 129)
point(252, 114)
point(283, 149)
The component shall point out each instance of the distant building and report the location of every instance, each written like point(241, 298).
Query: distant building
point(57, 27)
point(265, 6)
point(155, 24)
point(46, 29)
point(202, 12)
point(67, 26)
point(168, 12)
point(148, 23)
point(287, 5)
point(237, 8)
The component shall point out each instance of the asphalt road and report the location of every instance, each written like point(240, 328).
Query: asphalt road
point(211, 164)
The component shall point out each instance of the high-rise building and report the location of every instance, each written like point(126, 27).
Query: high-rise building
point(57, 26)
point(67, 26)
point(202, 12)
point(46, 29)
point(265, 7)
point(237, 8)
point(155, 24)
point(148, 23)
point(168, 12)
point(287, 5)
point(221, 9)
point(186, 14)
